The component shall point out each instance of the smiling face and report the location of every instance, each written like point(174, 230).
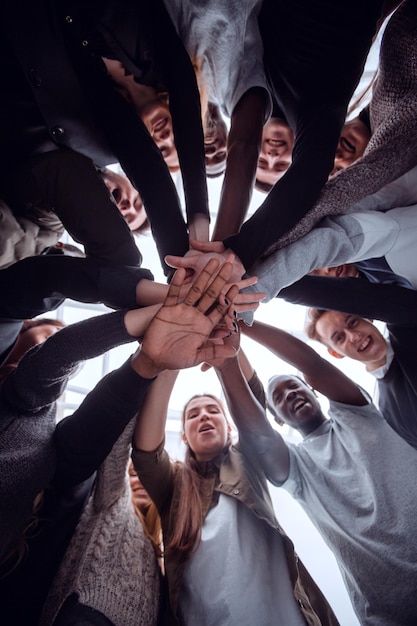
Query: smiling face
point(157, 118)
point(276, 151)
point(127, 199)
point(353, 140)
point(354, 337)
point(205, 427)
point(294, 403)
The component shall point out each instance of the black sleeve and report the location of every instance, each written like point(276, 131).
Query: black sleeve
point(39, 284)
point(184, 102)
point(388, 303)
point(143, 164)
point(297, 191)
point(84, 439)
point(43, 372)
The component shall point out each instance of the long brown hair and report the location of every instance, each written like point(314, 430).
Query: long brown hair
point(188, 520)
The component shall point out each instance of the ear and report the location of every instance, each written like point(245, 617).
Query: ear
point(279, 421)
point(337, 355)
point(184, 438)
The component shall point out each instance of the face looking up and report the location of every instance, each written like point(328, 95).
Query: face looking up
point(294, 403)
point(354, 337)
point(353, 140)
point(127, 199)
point(276, 151)
point(205, 427)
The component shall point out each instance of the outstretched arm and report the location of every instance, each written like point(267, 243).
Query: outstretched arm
point(318, 372)
point(255, 431)
point(389, 303)
point(243, 146)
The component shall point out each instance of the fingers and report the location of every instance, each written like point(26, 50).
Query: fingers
point(209, 246)
point(179, 261)
point(197, 290)
point(209, 301)
point(173, 295)
point(247, 282)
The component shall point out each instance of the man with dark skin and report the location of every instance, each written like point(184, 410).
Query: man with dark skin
point(340, 476)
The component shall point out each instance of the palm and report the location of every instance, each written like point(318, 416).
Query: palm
point(179, 335)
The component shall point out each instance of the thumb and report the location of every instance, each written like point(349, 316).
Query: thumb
point(205, 367)
point(207, 246)
point(177, 261)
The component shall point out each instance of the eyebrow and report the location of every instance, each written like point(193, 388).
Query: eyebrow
point(346, 320)
point(212, 405)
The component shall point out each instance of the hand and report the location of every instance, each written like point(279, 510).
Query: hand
point(195, 259)
point(179, 334)
point(233, 339)
point(248, 301)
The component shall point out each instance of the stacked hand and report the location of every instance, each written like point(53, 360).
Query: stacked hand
point(180, 334)
point(195, 260)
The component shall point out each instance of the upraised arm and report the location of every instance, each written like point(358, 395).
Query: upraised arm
point(255, 432)
point(318, 372)
point(243, 146)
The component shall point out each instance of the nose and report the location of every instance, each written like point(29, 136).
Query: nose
point(354, 335)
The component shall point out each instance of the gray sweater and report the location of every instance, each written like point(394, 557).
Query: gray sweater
point(393, 112)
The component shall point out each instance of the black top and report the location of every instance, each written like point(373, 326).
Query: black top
point(313, 67)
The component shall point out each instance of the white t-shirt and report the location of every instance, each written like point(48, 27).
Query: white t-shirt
point(239, 574)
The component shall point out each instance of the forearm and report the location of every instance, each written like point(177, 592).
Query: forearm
point(243, 147)
point(150, 427)
point(247, 413)
point(43, 372)
point(84, 439)
point(285, 346)
point(143, 164)
point(256, 435)
point(388, 303)
point(236, 190)
point(366, 176)
point(332, 243)
point(38, 284)
point(179, 76)
point(289, 201)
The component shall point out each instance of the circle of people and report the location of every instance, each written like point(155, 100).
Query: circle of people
point(98, 524)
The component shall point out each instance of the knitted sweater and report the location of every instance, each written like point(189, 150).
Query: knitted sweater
point(110, 563)
point(393, 112)
point(31, 452)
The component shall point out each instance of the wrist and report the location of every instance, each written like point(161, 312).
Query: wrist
point(144, 365)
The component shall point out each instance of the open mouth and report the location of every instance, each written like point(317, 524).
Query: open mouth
point(299, 404)
point(205, 428)
point(276, 143)
point(340, 271)
point(364, 345)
